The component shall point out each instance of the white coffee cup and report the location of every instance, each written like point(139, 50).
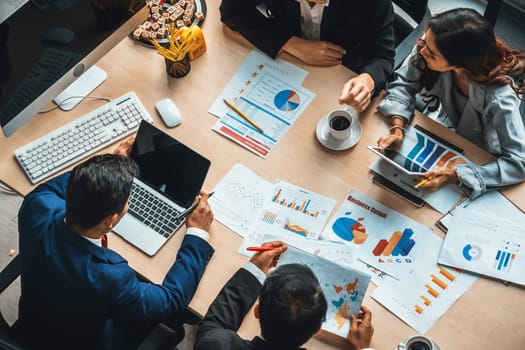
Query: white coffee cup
point(340, 123)
point(418, 342)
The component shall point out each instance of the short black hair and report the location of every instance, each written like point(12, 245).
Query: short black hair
point(292, 306)
point(99, 187)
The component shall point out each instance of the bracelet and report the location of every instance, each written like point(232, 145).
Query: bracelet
point(398, 117)
point(397, 127)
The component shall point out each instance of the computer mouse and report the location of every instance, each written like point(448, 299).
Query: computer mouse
point(169, 113)
point(59, 35)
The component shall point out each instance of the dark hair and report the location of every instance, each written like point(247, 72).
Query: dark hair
point(467, 40)
point(98, 188)
point(291, 306)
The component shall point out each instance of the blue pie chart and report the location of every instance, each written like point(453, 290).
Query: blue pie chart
point(287, 100)
point(471, 252)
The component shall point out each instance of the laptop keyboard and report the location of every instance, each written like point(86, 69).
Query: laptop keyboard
point(152, 211)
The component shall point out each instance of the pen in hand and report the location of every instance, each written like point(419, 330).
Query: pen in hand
point(188, 210)
point(422, 182)
point(259, 249)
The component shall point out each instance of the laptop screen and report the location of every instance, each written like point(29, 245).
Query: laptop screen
point(168, 165)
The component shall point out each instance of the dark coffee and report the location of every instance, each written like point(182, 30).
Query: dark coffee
point(339, 123)
point(419, 346)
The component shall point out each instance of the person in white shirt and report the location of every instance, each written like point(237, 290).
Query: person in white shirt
point(357, 34)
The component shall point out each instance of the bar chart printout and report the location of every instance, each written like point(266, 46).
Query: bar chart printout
point(506, 255)
point(297, 201)
point(290, 211)
point(384, 239)
point(399, 243)
point(485, 243)
point(422, 298)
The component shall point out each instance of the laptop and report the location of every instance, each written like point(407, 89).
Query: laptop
point(171, 175)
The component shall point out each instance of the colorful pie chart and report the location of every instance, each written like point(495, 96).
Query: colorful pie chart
point(287, 100)
point(350, 230)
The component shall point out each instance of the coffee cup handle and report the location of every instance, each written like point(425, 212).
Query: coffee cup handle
point(350, 111)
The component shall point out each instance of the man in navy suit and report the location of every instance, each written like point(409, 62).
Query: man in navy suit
point(358, 34)
point(77, 294)
point(291, 308)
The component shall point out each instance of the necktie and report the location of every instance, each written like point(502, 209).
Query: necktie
point(104, 240)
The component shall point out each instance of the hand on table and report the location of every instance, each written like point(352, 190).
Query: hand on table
point(124, 148)
point(361, 330)
point(357, 92)
point(202, 216)
point(268, 259)
point(313, 52)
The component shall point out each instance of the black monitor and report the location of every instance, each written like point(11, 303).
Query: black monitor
point(46, 44)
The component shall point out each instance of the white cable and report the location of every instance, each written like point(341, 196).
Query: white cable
point(70, 97)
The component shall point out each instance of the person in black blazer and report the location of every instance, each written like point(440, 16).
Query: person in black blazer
point(358, 34)
point(291, 308)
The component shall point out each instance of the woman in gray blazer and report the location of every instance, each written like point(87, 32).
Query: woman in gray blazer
point(479, 82)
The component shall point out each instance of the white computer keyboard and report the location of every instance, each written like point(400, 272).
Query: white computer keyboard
point(82, 137)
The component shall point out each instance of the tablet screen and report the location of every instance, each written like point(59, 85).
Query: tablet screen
point(399, 160)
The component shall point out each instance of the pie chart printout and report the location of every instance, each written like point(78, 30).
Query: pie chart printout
point(287, 100)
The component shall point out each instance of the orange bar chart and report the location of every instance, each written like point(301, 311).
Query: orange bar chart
point(426, 300)
point(396, 236)
point(449, 276)
point(439, 282)
point(432, 291)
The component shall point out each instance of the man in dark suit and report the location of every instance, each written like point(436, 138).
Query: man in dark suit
point(291, 308)
point(77, 294)
point(358, 34)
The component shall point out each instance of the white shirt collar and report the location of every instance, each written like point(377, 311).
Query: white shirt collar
point(95, 241)
point(325, 4)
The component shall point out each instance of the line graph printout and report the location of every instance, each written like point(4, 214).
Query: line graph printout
point(239, 198)
point(289, 210)
point(486, 244)
point(382, 237)
point(421, 298)
point(427, 153)
point(269, 92)
point(343, 287)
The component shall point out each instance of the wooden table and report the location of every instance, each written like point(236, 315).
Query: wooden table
point(486, 317)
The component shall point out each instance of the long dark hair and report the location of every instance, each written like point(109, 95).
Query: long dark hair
point(467, 40)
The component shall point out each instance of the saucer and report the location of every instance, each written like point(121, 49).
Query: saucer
point(329, 142)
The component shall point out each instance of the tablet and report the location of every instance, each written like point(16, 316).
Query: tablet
point(399, 161)
point(389, 185)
